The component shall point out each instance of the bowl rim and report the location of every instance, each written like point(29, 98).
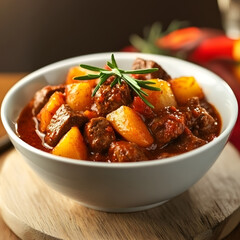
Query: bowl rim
point(62, 63)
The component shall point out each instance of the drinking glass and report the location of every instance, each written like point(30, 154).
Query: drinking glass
point(230, 12)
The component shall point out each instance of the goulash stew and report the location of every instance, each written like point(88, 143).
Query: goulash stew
point(119, 118)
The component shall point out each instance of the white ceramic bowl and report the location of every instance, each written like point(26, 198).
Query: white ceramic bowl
point(121, 187)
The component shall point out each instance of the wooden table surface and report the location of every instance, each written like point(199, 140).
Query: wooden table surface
point(6, 81)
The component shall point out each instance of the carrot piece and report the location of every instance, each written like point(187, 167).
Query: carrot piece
point(49, 109)
point(130, 125)
point(90, 114)
point(141, 107)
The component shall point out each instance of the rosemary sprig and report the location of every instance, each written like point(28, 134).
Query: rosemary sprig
point(147, 43)
point(121, 75)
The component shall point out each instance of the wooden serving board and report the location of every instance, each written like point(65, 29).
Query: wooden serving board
point(208, 210)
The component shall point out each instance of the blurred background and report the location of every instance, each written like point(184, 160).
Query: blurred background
point(36, 33)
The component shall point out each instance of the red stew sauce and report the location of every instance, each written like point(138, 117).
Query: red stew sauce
point(174, 129)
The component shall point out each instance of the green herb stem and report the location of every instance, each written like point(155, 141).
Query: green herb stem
point(121, 75)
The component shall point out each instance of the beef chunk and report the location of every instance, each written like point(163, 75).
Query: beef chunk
point(201, 123)
point(61, 122)
point(184, 143)
point(188, 141)
point(171, 123)
point(204, 125)
point(140, 63)
point(42, 96)
point(123, 151)
point(167, 126)
point(99, 134)
point(191, 111)
point(108, 99)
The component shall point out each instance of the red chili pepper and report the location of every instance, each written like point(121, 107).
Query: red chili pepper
point(219, 47)
point(129, 48)
point(201, 45)
point(180, 38)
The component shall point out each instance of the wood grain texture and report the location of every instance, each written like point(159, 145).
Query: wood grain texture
point(5, 231)
point(208, 210)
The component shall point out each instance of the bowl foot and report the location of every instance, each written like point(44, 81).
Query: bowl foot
point(123, 209)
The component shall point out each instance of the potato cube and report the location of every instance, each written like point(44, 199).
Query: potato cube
point(78, 96)
point(71, 145)
point(162, 98)
point(130, 125)
point(185, 88)
point(79, 71)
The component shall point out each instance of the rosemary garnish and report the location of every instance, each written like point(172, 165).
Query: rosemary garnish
point(121, 75)
point(147, 43)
